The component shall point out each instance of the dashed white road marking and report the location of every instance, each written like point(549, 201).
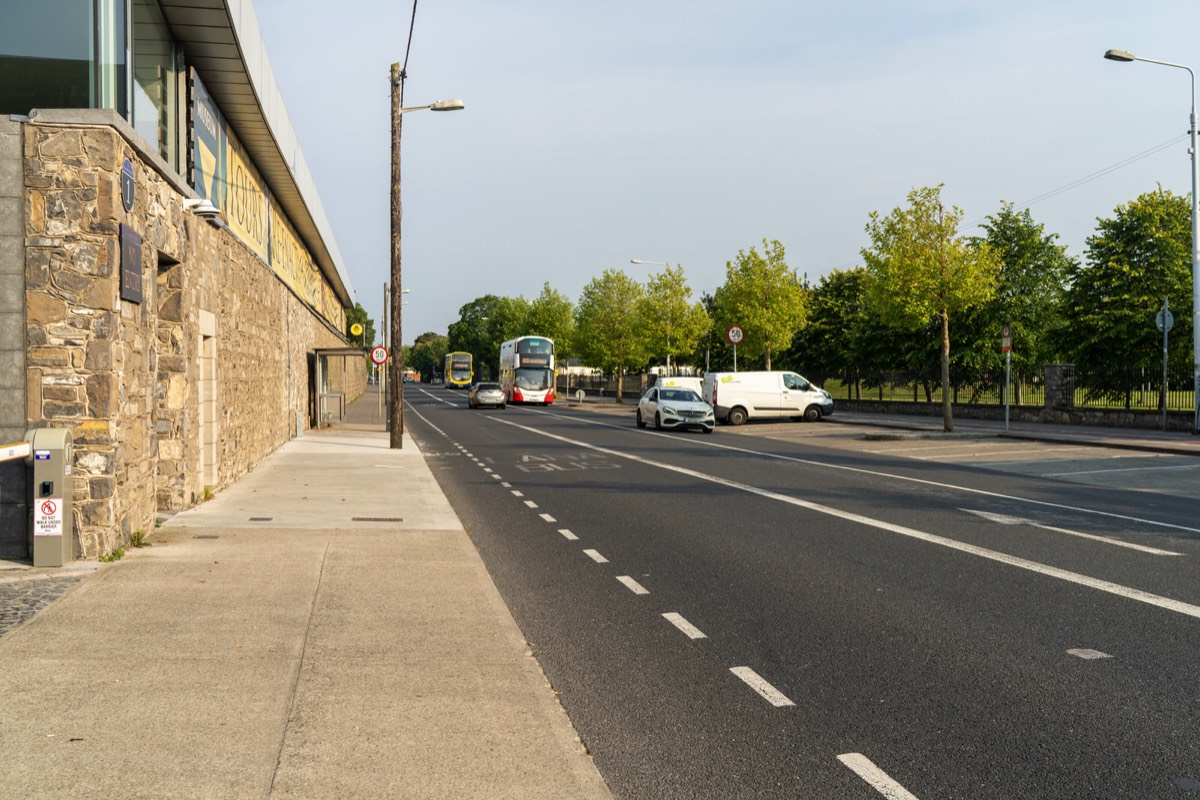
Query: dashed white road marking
point(506, 484)
point(632, 585)
point(531, 504)
point(1067, 576)
point(595, 556)
point(879, 780)
point(497, 477)
point(570, 536)
point(690, 630)
point(1087, 653)
point(547, 518)
point(756, 682)
point(518, 493)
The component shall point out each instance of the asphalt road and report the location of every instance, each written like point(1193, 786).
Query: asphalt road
point(768, 612)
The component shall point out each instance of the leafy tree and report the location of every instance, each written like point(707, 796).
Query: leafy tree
point(765, 298)
point(483, 324)
point(1030, 292)
point(922, 270)
point(672, 321)
point(1135, 259)
point(607, 333)
point(841, 336)
point(358, 315)
point(428, 354)
point(552, 315)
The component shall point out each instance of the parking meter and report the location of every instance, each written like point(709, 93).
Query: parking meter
point(51, 531)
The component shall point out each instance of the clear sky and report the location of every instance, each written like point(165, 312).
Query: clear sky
point(687, 130)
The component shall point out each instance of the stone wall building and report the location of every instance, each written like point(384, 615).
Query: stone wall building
point(171, 296)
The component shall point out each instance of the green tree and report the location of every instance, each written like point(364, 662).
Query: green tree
point(1030, 294)
point(358, 315)
point(841, 336)
point(607, 331)
point(1135, 259)
point(552, 315)
point(672, 321)
point(765, 298)
point(922, 270)
point(483, 324)
point(427, 355)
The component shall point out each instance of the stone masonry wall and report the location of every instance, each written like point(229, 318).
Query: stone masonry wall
point(124, 376)
point(13, 483)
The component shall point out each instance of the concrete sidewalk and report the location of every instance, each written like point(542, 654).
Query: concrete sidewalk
point(322, 628)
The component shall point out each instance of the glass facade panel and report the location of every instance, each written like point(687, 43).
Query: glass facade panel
point(155, 80)
point(45, 55)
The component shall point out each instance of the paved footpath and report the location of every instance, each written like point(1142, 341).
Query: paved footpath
point(322, 628)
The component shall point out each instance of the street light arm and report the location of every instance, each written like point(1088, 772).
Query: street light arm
point(1121, 55)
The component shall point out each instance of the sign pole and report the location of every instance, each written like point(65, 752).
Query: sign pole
point(1165, 313)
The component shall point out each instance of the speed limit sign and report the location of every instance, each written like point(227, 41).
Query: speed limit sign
point(735, 334)
point(378, 354)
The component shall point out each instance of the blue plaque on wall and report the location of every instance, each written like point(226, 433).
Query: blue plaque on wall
point(127, 185)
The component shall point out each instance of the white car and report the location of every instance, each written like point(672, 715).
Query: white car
point(674, 408)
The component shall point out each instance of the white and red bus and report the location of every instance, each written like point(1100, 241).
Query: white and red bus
point(527, 370)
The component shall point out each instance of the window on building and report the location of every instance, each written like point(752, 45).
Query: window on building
point(155, 80)
point(46, 55)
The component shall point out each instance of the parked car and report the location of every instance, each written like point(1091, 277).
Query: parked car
point(485, 394)
point(739, 396)
point(674, 408)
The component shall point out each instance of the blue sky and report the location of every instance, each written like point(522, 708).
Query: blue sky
point(596, 133)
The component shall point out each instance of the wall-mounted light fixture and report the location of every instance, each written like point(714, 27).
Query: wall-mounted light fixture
point(205, 210)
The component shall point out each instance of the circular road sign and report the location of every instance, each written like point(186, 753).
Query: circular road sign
point(356, 329)
point(735, 334)
point(1164, 321)
point(378, 354)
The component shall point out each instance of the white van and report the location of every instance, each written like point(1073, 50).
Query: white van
point(739, 396)
point(681, 382)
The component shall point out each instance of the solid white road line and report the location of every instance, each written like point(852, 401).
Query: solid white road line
point(1117, 589)
point(844, 468)
point(1005, 519)
point(570, 536)
point(755, 682)
point(595, 556)
point(632, 585)
point(690, 630)
point(879, 780)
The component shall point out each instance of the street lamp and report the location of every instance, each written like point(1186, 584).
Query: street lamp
point(669, 321)
point(1121, 55)
point(396, 363)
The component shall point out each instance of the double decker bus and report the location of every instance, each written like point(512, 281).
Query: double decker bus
point(457, 372)
point(527, 370)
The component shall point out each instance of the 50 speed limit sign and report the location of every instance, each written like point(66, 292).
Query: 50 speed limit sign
point(378, 354)
point(735, 334)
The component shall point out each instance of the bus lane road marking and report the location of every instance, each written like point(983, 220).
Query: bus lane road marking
point(1126, 592)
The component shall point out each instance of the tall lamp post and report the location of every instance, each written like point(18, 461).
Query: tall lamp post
point(396, 362)
point(669, 321)
point(1121, 55)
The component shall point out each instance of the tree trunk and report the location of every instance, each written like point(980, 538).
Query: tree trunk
point(768, 359)
point(620, 381)
point(947, 418)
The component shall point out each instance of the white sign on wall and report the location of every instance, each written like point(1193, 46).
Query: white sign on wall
point(48, 516)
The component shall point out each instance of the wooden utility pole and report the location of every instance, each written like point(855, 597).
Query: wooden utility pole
point(396, 356)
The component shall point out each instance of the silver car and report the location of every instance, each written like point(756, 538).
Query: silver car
point(675, 408)
point(485, 394)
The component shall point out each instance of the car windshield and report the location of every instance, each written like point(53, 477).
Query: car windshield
point(680, 395)
point(487, 387)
